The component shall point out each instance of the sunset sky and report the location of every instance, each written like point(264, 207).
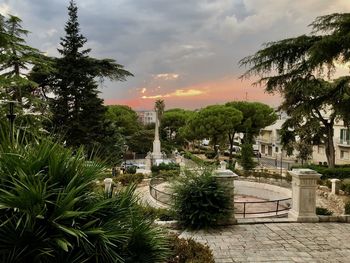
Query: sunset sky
point(184, 51)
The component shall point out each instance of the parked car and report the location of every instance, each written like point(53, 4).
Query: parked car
point(128, 164)
point(235, 149)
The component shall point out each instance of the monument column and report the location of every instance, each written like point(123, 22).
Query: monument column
point(156, 154)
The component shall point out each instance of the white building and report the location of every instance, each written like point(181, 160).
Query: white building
point(146, 117)
point(269, 143)
point(341, 141)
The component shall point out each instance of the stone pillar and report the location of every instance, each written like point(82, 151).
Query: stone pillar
point(335, 186)
point(304, 184)
point(108, 185)
point(226, 179)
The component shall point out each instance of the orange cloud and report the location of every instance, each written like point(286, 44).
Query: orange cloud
point(206, 93)
point(176, 93)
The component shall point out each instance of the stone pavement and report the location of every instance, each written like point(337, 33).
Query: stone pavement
point(278, 242)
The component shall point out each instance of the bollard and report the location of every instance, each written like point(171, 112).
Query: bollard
point(335, 186)
point(108, 185)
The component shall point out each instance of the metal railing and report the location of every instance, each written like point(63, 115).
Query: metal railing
point(160, 196)
point(271, 208)
point(250, 209)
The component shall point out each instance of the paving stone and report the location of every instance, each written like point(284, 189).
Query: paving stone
point(278, 242)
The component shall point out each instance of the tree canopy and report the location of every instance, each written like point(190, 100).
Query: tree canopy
point(301, 69)
point(214, 122)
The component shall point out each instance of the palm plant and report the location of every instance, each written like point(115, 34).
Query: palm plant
point(50, 213)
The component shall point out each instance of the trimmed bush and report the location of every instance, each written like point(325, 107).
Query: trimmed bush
point(339, 172)
point(127, 179)
point(347, 208)
point(168, 174)
point(200, 201)
point(189, 251)
point(323, 211)
point(165, 167)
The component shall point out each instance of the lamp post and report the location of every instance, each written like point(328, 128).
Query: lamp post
point(126, 147)
point(11, 116)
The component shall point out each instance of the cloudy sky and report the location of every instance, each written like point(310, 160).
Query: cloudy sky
point(185, 51)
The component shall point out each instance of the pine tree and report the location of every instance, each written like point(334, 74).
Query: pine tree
point(78, 112)
point(16, 59)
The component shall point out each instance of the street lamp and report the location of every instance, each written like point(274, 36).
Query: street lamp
point(11, 116)
point(126, 147)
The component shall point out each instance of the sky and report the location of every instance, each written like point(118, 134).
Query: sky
point(186, 52)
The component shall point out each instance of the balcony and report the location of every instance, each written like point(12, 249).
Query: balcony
point(269, 140)
point(343, 142)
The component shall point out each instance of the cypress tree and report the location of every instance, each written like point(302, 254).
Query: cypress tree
point(78, 112)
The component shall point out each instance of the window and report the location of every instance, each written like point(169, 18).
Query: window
point(344, 155)
point(276, 149)
point(345, 136)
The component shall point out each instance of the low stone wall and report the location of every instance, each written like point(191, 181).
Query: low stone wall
point(261, 190)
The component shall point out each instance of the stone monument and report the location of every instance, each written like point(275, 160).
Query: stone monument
point(156, 153)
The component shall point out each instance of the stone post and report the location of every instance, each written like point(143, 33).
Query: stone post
point(335, 186)
point(304, 184)
point(226, 179)
point(108, 185)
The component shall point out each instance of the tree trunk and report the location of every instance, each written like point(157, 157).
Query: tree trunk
point(329, 146)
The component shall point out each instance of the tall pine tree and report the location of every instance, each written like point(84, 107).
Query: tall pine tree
point(78, 112)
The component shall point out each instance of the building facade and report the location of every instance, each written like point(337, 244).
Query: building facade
point(146, 117)
point(269, 143)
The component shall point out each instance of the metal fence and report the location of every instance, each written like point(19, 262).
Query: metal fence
point(273, 208)
point(160, 196)
point(245, 209)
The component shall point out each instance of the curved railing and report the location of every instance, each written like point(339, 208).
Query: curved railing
point(160, 196)
point(271, 208)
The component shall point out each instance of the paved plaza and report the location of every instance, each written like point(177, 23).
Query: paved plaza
point(278, 242)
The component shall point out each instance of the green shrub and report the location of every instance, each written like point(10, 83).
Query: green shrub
point(339, 172)
point(246, 160)
point(210, 154)
point(200, 201)
point(127, 179)
point(48, 212)
point(328, 183)
point(288, 177)
point(323, 211)
point(131, 170)
point(189, 251)
point(347, 208)
point(345, 186)
point(153, 213)
point(168, 174)
point(164, 167)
